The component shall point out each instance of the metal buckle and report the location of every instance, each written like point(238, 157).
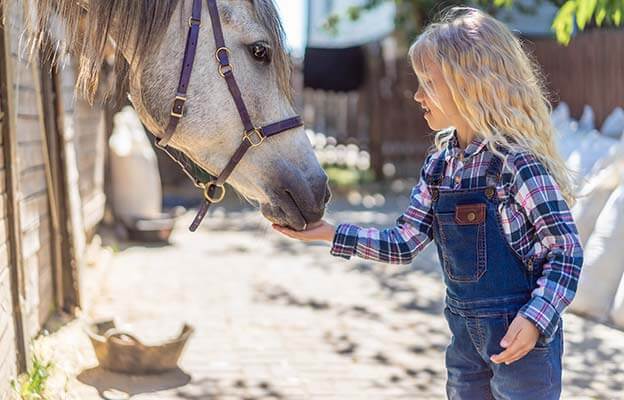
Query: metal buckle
point(219, 50)
point(211, 198)
point(223, 69)
point(194, 21)
point(173, 108)
point(258, 135)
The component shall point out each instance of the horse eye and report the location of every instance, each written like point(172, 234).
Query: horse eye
point(261, 52)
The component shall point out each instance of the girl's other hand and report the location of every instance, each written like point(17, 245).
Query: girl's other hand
point(521, 338)
point(320, 230)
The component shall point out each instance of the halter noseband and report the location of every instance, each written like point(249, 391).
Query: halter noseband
point(213, 189)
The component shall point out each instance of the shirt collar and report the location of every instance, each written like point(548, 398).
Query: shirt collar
point(475, 146)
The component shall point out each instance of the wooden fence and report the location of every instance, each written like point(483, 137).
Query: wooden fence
point(51, 193)
point(589, 71)
point(383, 118)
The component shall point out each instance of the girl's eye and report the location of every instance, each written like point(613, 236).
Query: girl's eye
point(261, 52)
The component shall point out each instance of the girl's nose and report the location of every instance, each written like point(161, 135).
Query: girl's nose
point(418, 95)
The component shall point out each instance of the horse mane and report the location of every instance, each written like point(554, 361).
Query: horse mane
point(87, 25)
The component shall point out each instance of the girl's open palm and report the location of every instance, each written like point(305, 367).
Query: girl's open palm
point(321, 230)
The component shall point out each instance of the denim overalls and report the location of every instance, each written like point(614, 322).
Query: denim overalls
point(487, 283)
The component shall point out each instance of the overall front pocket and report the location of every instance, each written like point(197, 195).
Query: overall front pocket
point(462, 234)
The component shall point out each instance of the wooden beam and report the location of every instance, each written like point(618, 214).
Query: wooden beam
point(70, 273)
point(47, 115)
point(9, 148)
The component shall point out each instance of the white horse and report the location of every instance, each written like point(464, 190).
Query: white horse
point(282, 175)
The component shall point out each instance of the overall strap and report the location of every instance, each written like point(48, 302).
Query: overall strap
point(437, 174)
point(494, 172)
point(435, 178)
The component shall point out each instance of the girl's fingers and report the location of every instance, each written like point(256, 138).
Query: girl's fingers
point(513, 350)
point(518, 357)
point(505, 355)
point(317, 231)
point(519, 353)
point(288, 232)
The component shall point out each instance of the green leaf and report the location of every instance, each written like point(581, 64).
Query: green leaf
point(617, 15)
point(503, 3)
point(601, 12)
point(563, 24)
point(585, 11)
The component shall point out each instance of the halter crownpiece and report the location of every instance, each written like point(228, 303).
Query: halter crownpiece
point(213, 188)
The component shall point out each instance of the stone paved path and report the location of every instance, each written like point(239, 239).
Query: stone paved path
point(279, 319)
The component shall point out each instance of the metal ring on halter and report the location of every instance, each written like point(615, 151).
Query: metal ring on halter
point(210, 197)
point(219, 50)
point(254, 133)
point(223, 69)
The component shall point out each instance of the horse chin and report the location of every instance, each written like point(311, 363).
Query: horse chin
point(288, 216)
point(285, 211)
point(295, 206)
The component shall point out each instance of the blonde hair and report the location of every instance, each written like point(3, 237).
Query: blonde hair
point(497, 88)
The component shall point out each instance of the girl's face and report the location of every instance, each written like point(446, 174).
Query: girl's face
point(445, 113)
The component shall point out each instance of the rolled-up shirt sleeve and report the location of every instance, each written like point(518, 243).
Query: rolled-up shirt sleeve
point(395, 245)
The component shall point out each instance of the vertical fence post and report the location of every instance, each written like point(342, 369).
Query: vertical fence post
point(374, 75)
point(9, 148)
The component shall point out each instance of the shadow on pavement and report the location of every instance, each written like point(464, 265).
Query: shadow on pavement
point(103, 380)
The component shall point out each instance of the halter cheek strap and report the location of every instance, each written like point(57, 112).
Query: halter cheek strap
point(177, 108)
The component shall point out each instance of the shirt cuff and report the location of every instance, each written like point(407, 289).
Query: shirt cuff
point(542, 314)
point(345, 241)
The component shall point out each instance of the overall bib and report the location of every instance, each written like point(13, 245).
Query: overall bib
point(487, 283)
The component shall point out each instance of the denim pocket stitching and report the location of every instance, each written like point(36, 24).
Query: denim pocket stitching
point(480, 249)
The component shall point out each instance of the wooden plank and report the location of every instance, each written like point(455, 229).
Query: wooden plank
point(66, 197)
point(26, 100)
point(33, 182)
point(32, 209)
point(33, 238)
point(48, 135)
point(9, 140)
point(4, 232)
point(28, 155)
point(29, 129)
point(3, 200)
point(48, 235)
point(4, 252)
point(94, 210)
point(48, 106)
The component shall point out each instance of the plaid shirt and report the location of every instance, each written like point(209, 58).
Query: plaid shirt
point(535, 219)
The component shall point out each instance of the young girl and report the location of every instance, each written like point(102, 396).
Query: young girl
point(494, 195)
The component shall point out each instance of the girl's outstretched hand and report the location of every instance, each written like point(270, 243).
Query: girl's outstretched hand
point(320, 230)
